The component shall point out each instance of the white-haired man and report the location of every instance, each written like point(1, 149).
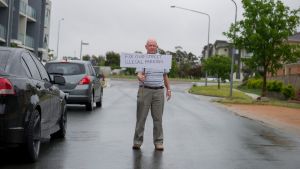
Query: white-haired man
point(151, 96)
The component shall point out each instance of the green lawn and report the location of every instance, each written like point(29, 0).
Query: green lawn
point(245, 89)
point(224, 91)
point(238, 96)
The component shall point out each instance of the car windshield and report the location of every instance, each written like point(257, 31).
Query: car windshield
point(65, 68)
point(4, 55)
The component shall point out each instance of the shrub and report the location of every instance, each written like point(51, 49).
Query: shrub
point(288, 91)
point(274, 86)
point(254, 83)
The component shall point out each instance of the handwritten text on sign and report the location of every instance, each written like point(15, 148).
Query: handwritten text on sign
point(137, 60)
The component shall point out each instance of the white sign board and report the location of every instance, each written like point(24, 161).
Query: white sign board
point(137, 60)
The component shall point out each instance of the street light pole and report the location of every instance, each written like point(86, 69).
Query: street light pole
point(203, 13)
point(58, 36)
point(233, 51)
point(82, 43)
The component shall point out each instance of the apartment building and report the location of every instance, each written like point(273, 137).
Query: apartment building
point(26, 24)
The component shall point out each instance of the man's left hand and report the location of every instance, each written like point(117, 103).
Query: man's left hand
point(168, 94)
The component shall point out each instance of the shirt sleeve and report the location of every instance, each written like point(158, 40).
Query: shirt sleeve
point(166, 71)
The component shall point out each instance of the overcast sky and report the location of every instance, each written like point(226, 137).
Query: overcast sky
point(125, 25)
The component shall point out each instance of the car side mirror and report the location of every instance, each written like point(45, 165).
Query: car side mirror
point(59, 80)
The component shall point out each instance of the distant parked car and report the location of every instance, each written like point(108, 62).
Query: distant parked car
point(31, 106)
point(82, 83)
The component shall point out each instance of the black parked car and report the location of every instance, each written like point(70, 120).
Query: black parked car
point(31, 106)
point(82, 83)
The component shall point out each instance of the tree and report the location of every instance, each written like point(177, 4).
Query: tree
point(112, 60)
point(218, 66)
point(174, 69)
point(195, 71)
point(264, 32)
point(86, 57)
point(101, 60)
point(184, 62)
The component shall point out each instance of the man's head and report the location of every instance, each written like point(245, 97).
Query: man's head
point(151, 46)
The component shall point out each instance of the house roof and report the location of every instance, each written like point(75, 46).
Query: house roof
point(295, 37)
point(221, 43)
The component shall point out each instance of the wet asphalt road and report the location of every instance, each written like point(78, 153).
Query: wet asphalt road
point(198, 134)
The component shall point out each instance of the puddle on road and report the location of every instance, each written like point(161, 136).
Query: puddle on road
point(270, 145)
point(276, 140)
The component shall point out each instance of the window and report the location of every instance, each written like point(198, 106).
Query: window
point(16, 68)
point(65, 68)
point(92, 71)
point(25, 66)
point(32, 66)
point(42, 69)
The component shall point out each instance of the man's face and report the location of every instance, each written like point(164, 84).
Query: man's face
point(151, 47)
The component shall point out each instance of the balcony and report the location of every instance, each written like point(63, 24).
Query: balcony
point(29, 41)
point(21, 37)
point(23, 7)
point(28, 11)
point(2, 33)
point(3, 3)
point(26, 40)
point(31, 13)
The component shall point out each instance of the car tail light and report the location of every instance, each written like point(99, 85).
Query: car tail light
point(6, 88)
point(85, 80)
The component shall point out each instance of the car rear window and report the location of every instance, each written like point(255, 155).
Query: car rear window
point(65, 68)
point(4, 56)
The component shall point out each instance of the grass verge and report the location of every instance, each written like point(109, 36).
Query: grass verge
point(253, 91)
point(222, 92)
point(239, 97)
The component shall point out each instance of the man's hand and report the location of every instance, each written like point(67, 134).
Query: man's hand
point(168, 94)
point(141, 77)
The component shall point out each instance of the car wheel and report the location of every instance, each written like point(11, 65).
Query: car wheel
point(61, 133)
point(33, 136)
point(89, 106)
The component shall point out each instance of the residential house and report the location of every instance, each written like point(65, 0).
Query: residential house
point(289, 73)
point(222, 47)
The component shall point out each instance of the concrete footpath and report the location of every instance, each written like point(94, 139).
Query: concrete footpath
point(279, 117)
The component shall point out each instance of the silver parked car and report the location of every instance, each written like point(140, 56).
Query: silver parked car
point(82, 83)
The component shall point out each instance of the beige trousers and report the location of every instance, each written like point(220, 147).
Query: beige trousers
point(149, 99)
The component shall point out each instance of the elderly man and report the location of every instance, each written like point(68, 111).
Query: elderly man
point(151, 96)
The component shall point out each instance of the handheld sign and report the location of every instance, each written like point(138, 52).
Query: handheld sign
point(137, 60)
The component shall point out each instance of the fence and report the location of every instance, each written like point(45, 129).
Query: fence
point(289, 79)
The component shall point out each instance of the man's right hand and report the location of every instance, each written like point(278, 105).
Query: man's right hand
point(141, 77)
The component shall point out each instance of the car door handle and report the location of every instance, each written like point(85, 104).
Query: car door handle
point(38, 86)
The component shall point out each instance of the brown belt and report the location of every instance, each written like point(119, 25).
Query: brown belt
point(152, 87)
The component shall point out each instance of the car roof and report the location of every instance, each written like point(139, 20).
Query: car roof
point(13, 51)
